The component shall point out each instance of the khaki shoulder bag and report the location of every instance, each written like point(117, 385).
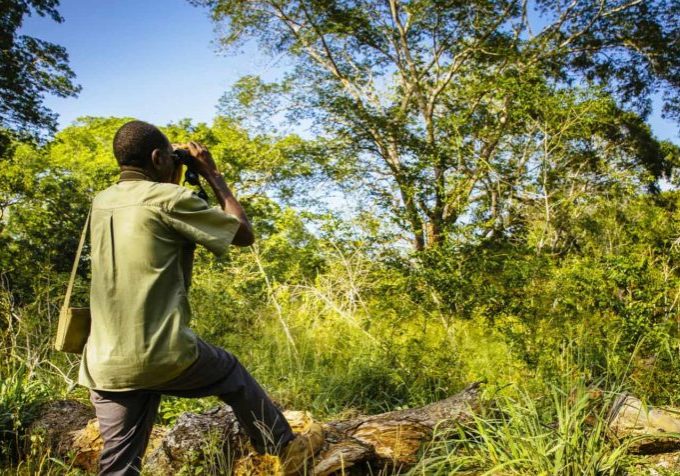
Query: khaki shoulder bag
point(74, 322)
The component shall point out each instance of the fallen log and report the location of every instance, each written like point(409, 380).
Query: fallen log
point(651, 430)
point(388, 439)
point(392, 438)
point(653, 433)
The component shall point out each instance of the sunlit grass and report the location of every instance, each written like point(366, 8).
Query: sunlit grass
point(563, 434)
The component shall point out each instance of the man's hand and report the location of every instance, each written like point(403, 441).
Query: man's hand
point(203, 161)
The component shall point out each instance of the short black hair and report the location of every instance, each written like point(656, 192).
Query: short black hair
point(135, 141)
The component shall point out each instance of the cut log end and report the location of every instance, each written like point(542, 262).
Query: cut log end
point(650, 430)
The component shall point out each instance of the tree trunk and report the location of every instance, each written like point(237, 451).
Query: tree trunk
point(392, 438)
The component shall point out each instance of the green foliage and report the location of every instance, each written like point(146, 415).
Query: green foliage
point(30, 69)
point(20, 397)
point(85, 149)
point(465, 112)
point(21, 393)
point(350, 339)
point(42, 209)
point(514, 156)
point(335, 316)
point(172, 407)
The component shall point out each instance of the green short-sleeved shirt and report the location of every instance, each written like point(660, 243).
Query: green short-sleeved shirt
point(140, 233)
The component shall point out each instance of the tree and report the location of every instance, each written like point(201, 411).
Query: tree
point(399, 82)
point(42, 211)
point(30, 68)
point(45, 192)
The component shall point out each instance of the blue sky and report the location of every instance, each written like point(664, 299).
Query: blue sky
point(157, 60)
point(154, 60)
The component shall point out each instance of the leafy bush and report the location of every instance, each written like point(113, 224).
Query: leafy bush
point(20, 396)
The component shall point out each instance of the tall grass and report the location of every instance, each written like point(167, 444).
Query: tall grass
point(29, 376)
point(20, 398)
point(563, 432)
point(21, 393)
point(342, 344)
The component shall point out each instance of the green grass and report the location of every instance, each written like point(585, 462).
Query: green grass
point(562, 434)
point(20, 397)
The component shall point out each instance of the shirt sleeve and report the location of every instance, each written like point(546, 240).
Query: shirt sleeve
point(211, 227)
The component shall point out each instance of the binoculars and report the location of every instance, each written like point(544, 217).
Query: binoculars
point(184, 157)
point(191, 176)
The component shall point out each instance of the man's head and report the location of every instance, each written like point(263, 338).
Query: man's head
point(140, 145)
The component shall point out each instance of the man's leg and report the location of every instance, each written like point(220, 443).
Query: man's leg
point(262, 421)
point(219, 373)
point(125, 422)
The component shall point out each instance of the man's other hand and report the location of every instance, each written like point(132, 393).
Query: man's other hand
point(204, 163)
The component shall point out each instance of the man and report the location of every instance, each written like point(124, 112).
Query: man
point(143, 233)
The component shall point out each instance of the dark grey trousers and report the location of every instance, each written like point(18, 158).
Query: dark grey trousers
point(126, 418)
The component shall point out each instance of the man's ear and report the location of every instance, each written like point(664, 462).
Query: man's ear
point(156, 158)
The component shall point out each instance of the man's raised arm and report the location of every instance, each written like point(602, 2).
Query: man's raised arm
point(205, 165)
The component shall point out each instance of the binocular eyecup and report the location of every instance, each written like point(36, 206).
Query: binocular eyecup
point(184, 157)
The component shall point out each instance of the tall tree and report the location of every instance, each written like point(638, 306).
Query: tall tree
point(30, 68)
point(400, 82)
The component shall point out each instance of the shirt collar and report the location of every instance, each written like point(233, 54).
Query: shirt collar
point(132, 175)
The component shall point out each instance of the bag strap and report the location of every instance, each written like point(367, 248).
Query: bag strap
point(69, 289)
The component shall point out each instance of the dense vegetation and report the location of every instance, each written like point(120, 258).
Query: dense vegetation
point(514, 221)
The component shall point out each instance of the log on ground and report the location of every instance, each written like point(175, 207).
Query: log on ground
point(650, 430)
point(215, 437)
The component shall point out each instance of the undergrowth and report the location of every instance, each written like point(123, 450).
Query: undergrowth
point(563, 433)
point(353, 341)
